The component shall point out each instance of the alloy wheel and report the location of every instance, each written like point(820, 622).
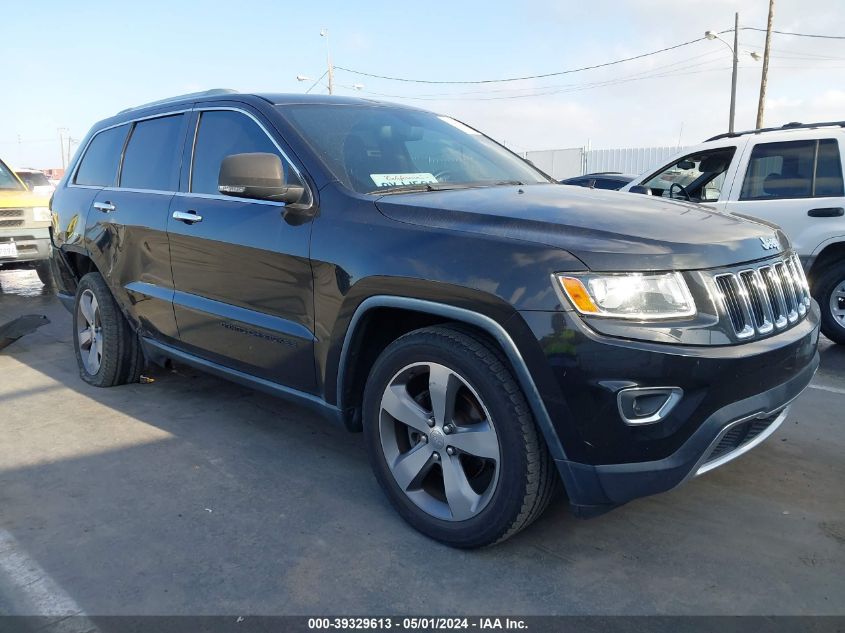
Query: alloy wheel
point(89, 333)
point(439, 441)
point(837, 303)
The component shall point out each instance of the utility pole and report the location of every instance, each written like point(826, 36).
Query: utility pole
point(761, 105)
point(733, 75)
point(325, 33)
point(62, 147)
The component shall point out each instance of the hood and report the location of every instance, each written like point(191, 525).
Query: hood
point(607, 230)
point(17, 199)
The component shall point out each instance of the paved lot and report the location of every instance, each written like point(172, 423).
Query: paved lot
point(191, 495)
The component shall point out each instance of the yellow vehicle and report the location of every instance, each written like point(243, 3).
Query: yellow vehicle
point(24, 226)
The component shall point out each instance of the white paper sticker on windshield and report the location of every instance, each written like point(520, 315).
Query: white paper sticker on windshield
point(463, 128)
point(399, 180)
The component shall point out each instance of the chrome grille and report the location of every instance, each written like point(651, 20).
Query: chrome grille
point(11, 213)
point(765, 298)
point(4, 224)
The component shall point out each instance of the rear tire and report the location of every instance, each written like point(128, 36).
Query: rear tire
point(108, 352)
point(476, 483)
point(829, 291)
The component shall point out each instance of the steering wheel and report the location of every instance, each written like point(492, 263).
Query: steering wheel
point(444, 176)
point(682, 189)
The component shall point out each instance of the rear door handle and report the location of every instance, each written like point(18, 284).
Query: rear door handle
point(189, 217)
point(105, 207)
point(826, 212)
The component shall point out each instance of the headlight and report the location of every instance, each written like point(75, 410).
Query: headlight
point(629, 295)
point(41, 214)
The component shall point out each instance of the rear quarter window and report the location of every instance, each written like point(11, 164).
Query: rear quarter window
point(99, 164)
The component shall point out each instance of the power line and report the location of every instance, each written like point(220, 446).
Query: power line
point(715, 55)
point(574, 70)
point(509, 79)
point(562, 89)
point(813, 35)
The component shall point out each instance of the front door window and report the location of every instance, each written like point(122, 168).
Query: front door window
point(698, 177)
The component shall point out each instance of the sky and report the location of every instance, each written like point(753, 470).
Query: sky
point(70, 64)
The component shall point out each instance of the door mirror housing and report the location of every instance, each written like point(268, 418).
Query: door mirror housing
point(259, 176)
point(640, 189)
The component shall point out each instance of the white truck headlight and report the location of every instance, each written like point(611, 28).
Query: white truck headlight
point(41, 214)
point(639, 296)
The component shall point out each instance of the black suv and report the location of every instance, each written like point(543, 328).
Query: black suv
point(491, 332)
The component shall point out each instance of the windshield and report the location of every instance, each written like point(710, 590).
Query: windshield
point(374, 149)
point(8, 180)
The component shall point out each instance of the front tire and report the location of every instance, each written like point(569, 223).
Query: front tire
point(829, 291)
point(452, 441)
point(108, 352)
point(45, 275)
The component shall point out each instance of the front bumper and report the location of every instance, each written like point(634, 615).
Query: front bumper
point(733, 399)
point(724, 436)
point(32, 245)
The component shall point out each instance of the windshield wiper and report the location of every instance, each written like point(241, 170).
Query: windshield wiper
point(443, 186)
point(446, 186)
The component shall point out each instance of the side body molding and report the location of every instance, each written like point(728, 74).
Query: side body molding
point(491, 327)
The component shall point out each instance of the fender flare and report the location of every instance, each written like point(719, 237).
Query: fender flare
point(485, 323)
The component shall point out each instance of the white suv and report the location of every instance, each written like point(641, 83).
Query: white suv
point(791, 176)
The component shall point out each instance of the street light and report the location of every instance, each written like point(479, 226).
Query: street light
point(329, 70)
point(325, 33)
point(712, 35)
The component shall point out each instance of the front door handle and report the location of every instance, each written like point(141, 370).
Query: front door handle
point(189, 217)
point(105, 207)
point(826, 212)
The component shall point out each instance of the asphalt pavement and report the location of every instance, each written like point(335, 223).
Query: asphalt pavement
point(191, 495)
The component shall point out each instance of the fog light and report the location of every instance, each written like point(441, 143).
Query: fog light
point(647, 405)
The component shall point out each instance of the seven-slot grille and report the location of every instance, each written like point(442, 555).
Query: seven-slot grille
point(764, 298)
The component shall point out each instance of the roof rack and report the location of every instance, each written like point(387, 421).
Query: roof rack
point(191, 95)
point(795, 125)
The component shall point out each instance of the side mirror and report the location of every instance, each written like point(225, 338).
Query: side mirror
point(257, 175)
point(640, 189)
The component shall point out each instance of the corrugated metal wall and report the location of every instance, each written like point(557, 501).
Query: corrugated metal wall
point(634, 160)
point(575, 161)
point(559, 163)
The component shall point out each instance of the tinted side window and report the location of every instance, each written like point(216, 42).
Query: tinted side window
point(607, 183)
point(152, 155)
point(99, 165)
point(222, 133)
point(828, 170)
point(779, 170)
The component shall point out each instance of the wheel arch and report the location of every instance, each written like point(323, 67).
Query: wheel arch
point(68, 267)
point(354, 367)
point(830, 254)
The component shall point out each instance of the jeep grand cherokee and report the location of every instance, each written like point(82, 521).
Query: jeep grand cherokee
point(489, 331)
